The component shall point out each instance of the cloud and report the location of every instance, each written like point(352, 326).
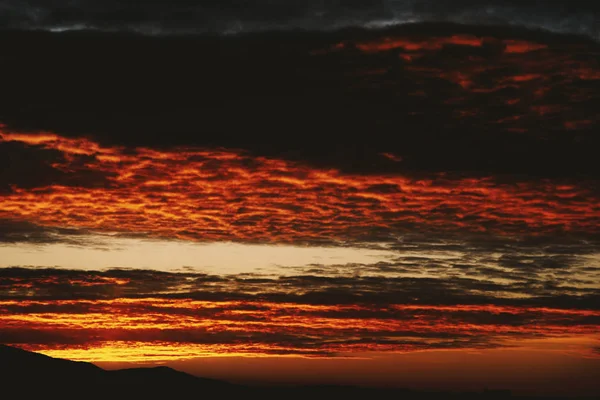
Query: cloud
point(261, 327)
point(504, 203)
point(30, 167)
point(226, 16)
point(130, 313)
point(203, 194)
point(15, 231)
point(498, 101)
point(423, 268)
point(359, 285)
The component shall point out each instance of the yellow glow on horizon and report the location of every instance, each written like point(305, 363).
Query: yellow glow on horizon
point(148, 353)
point(161, 353)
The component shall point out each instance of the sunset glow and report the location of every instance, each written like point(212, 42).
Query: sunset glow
point(200, 328)
point(412, 206)
point(208, 195)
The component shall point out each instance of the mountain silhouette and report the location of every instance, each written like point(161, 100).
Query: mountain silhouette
point(27, 375)
point(30, 373)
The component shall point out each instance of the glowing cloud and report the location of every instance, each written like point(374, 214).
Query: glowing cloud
point(222, 195)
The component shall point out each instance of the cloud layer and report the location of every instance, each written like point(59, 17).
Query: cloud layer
point(413, 99)
point(474, 166)
point(199, 194)
point(227, 16)
point(128, 313)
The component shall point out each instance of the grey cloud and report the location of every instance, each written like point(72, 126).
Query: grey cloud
point(48, 283)
point(13, 231)
point(229, 16)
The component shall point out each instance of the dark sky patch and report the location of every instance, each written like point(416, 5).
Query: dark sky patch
point(494, 101)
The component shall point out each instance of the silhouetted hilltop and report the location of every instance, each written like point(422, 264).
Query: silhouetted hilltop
point(27, 375)
point(15, 362)
point(30, 373)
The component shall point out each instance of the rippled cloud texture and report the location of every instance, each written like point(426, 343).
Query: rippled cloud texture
point(322, 195)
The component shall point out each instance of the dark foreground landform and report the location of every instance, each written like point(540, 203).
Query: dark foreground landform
point(32, 375)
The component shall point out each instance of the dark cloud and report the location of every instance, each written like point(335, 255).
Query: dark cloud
point(488, 110)
point(33, 337)
point(30, 167)
point(229, 16)
point(14, 231)
point(310, 315)
point(474, 287)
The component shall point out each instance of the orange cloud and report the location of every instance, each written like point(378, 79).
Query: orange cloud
point(481, 67)
point(187, 328)
point(201, 194)
point(410, 44)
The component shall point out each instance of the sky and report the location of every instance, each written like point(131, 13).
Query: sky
point(305, 192)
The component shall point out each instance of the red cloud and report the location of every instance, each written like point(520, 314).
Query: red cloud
point(210, 195)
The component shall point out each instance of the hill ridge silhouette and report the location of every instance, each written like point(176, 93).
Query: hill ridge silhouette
point(35, 375)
